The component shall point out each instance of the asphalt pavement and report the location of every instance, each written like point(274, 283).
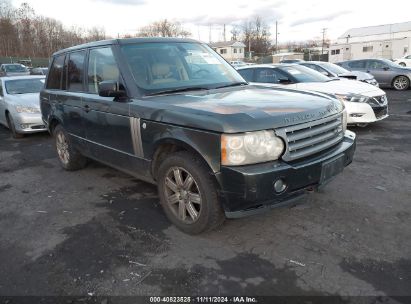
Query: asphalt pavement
point(101, 232)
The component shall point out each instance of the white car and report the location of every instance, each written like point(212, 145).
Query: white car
point(364, 102)
point(238, 63)
point(20, 105)
point(404, 61)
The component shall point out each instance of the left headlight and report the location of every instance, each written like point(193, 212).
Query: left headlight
point(352, 98)
point(250, 148)
point(26, 109)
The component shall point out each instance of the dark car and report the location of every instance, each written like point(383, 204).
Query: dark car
point(39, 71)
point(291, 61)
point(13, 69)
point(174, 113)
point(333, 70)
point(388, 74)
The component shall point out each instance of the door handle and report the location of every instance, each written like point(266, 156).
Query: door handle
point(87, 108)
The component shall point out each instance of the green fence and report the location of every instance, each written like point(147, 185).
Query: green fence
point(31, 62)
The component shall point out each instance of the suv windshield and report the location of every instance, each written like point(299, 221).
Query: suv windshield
point(177, 66)
point(15, 68)
point(24, 86)
point(300, 73)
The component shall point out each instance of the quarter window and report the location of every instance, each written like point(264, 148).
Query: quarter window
point(56, 73)
point(75, 69)
point(101, 67)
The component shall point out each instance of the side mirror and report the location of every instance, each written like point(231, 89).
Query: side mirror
point(111, 88)
point(284, 80)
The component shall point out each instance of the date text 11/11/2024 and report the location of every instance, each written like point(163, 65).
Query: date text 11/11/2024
point(240, 299)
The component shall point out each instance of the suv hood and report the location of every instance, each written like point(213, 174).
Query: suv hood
point(239, 109)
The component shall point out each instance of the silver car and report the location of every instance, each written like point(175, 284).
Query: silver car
point(19, 104)
point(387, 73)
point(13, 69)
point(335, 71)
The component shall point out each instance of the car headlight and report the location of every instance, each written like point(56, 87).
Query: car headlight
point(352, 98)
point(26, 109)
point(250, 148)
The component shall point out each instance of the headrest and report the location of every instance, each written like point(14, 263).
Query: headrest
point(160, 69)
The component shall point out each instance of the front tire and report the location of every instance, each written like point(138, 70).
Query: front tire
point(69, 157)
point(401, 83)
point(188, 193)
point(12, 127)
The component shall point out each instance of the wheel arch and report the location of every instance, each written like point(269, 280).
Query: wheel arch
point(53, 122)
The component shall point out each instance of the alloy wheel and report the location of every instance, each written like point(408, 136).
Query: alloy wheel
point(401, 83)
point(62, 147)
point(183, 195)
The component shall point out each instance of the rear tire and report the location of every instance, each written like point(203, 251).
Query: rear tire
point(12, 127)
point(401, 83)
point(188, 193)
point(70, 158)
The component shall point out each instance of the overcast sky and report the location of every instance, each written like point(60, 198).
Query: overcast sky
point(298, 20)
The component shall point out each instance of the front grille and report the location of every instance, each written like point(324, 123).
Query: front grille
point(379, 100)
point(311, 138)
point(380, 111)
point(38, 127)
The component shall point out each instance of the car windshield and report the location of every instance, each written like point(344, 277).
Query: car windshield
point(333, 68)
point(303, 74)
point(15, 68)
point(172, 66)
point(24, 86)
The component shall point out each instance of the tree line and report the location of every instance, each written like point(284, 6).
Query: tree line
point(23, 33)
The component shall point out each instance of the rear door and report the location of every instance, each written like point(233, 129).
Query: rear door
point(107, 121)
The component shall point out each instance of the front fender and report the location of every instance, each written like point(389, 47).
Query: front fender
point(205, 143)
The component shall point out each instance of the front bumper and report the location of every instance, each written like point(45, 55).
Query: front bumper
point(250, 189)
point(29, 123)
point(363, 113)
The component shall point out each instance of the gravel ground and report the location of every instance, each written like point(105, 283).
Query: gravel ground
point(102, 232)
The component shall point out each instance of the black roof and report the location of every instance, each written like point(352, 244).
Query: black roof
point(124, 41)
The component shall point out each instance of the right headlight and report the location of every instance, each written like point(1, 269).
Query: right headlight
point(250, 148)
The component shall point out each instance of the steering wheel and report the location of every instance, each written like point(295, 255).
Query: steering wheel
point(199, 71)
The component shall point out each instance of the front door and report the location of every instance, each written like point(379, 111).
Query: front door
point(380, 70)
point(107, 121)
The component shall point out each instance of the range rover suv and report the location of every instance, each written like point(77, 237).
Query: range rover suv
point(174, 113)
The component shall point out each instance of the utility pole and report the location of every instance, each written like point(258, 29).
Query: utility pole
point(276, 36)
point(322, 46)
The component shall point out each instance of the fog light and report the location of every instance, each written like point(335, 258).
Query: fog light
point(25, 126)
point(357, 115)
point(279, 186)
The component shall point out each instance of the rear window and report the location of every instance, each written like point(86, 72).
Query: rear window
point(56, 73)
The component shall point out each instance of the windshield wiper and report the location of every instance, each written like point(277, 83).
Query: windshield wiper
point(178, 91)
point(234, 84)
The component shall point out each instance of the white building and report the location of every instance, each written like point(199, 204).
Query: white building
point(388, 41)
point(229, 50)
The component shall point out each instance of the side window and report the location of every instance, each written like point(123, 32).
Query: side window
point(101, 67)
point(75, 69)
point(357, 64)
point(56, 73)
point(1, 89)
point(376, 65)
point(247, 74)
point(267, 76)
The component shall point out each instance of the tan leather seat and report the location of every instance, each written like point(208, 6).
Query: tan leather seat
point(161, 73)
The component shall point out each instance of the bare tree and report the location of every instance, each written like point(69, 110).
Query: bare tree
point(163, 28)
point(256, 35)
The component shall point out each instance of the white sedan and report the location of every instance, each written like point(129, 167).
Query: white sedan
point(364, 102)
point(404, 61)
point(19, 104)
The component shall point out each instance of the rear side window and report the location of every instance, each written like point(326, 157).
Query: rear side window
point(101, 67)
point(357, 64)
point(56, 73)
point(247, 74)
point(75, 69)
point(268, 76)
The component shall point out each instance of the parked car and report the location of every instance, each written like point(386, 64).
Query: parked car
point(237, 63)
point(39, 71)
point(13, 69)
point(19, 104)
point(291, 61)
point(174, 113)
point(333, 70)
point(404, 61)
point(387, 73)
point(365, 103)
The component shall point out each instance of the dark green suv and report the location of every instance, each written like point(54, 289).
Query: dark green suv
point(174, 113)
